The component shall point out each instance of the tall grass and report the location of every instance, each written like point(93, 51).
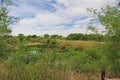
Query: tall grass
point(46, 66)
point(63, 65)
point(76, 44)
point(61, 60)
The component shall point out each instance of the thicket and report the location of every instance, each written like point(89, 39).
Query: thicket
point(5, 21)
point(88, 37)
point(110, 19)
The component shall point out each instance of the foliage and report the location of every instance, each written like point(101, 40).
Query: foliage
point(92, 28)
point(48, 65)
point(56, 36)
point(12, 42)
point(110, 18)
point(51, 43)
point(46, 36)
point(88, 61)
point(3, 48)
point(5, 21)
point(75, 36)
point(5, 18)
point(21, 37)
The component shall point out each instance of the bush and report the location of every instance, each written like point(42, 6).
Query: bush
point(93, 53)
point(3, 48)
point(87, 62)
point(51, 43)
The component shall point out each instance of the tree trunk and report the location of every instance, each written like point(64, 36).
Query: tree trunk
point(102, 75)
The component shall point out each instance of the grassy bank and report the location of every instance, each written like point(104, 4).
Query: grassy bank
point(52, 64)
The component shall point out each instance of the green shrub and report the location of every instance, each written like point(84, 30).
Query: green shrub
point(87, 62)
point(93, 53)
point(3, 48)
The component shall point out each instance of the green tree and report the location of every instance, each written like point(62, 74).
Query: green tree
point(55, 36)
point(5, 21)
point(110, 18)
point(21, 37)
point(5, 18)
point(92, 28)
point(34, 36)
point(46, 35)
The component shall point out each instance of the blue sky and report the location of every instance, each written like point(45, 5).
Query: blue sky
point(54, 16)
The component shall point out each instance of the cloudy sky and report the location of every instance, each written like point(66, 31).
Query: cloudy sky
point(54, 16)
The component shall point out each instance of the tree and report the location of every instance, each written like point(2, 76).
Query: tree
point(92, 28)
point(55, 36)
point(5, 21)
point(21, 37)
point(34, 36)
point(5, 18)
point(78, 36)
point(110, 18)
point(46, 35)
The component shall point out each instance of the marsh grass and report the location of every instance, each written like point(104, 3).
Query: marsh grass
point(76, 44)
point(49, 64)
point(45, 68)
point(72, 60)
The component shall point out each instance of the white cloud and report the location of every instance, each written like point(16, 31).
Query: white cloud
point(46, 21)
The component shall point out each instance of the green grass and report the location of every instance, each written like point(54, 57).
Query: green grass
point(49, 64)
point(53, 60)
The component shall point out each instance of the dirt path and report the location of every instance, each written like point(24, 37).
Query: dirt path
point(35, 43)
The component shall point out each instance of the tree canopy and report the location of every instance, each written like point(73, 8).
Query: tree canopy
point(5, 21)
point(5, 18)
point(109, 17)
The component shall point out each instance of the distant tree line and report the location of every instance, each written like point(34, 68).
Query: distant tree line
point(79, 36)
point(73, 36)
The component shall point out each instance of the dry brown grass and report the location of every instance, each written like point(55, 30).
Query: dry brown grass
point(32, 44)
point(77, 44)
